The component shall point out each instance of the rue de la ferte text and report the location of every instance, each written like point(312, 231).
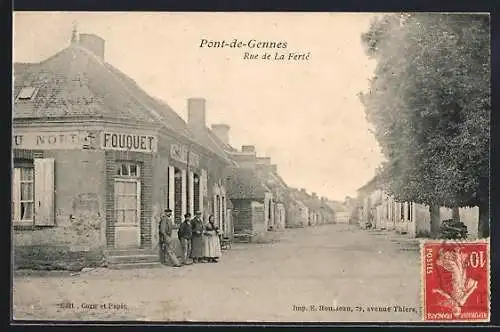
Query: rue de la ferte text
point(254, 49)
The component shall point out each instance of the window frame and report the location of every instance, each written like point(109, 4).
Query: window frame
point(138, 201)
point(127, 178)
point(31, 97)
point(127, 164)
point(17, 199)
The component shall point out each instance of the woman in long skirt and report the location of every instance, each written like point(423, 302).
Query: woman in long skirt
point(197, 238)
point(212, 250)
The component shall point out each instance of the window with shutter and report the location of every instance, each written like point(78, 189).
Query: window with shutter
point(23, 196)
point(44, 192)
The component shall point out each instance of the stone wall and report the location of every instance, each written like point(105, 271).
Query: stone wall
point(78, 237)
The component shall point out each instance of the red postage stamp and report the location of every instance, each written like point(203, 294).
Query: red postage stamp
point(456, 281)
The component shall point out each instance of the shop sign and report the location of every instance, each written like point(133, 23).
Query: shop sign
point(44, 140)
point(128, 142)
point(182, 154)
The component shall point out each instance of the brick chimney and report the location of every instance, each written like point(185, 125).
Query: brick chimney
point(93, 43)
point(221, 130)
point(248, 148)
point(196, 113)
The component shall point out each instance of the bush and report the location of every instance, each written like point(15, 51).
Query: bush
point(452, 229)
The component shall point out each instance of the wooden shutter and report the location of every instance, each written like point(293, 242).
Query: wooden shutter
point(201, 191)
point(183, 195)
point(171, 189)
point(16, 194)
point(44, 192)
point(204, 181)
point(191, 193)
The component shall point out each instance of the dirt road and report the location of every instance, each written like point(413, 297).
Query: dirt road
point(329, 273)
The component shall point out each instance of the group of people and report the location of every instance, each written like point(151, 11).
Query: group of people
point(199, 242)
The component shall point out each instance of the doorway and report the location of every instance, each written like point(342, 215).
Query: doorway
point(127, 198)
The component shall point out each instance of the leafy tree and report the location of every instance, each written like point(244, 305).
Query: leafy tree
point(429, 102)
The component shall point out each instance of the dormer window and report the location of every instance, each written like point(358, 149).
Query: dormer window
point(27, 93)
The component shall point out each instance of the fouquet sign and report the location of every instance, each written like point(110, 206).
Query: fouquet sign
point(128, 142)
point(181, 153)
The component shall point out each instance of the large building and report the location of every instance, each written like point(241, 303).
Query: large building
point(96, 160)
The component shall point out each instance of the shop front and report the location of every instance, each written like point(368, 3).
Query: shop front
point(80, 189)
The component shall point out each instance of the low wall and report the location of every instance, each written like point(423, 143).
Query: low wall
point(73, 246)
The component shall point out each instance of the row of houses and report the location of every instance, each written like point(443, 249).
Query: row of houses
point(96, 159)
point(379, 210)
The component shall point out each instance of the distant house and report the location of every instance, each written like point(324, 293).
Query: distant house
point(251, 200)
point(297, 211)
point(313, 206)
point(327, 211)
point(269, 174)
point(339, 210)
point(379, 210)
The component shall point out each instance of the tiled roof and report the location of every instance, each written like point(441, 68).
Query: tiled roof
point(206, 138)
point(309, 201)
point(243, 183)
point(75, 82)
point(170, 118)
point(370, 185)
point(336, 206)
point(220, 143)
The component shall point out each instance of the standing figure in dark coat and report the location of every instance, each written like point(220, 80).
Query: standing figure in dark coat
point(165, 232)
point(197, 238)
point(185, 235)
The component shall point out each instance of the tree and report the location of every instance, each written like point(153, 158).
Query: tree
point(429, 103)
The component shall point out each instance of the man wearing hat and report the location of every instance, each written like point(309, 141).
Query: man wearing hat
point(166, 245)
point(185, 234)
point(197, 238)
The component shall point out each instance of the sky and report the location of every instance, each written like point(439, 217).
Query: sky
point(304, 114)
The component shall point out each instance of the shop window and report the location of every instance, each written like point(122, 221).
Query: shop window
point(27, 93)
point(128, 169)
point(23, 195)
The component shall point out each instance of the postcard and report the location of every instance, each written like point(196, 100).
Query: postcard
point(177, 167)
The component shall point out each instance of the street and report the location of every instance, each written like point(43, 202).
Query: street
point(328, 273)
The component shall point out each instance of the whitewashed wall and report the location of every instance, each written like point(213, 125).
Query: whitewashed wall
point(445, 213)
point(470, 217)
